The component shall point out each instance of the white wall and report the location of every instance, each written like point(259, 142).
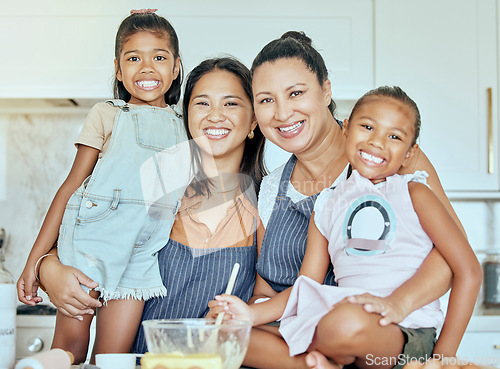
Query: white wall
point(66, 48)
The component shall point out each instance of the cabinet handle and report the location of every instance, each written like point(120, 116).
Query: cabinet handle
point(491, 160)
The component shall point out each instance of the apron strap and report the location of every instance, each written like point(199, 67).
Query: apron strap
point(286, 175)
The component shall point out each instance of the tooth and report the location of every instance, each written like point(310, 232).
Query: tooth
point(217, 132)
point(372, 158)
point(291, 128)
point(147, 83)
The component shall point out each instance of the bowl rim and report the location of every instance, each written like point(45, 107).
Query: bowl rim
point(194, 322)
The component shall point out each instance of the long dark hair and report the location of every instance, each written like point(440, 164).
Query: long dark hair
point(295, 45)
point(160, 27)
point(252, 164)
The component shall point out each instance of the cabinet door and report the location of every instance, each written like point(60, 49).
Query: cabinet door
point(67, 50)
point(56, 55)
point(481, 348)
point(444, 55)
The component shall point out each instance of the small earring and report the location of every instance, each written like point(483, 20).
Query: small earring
point(251, 135)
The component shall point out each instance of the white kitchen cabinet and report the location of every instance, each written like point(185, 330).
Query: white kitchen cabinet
point(481, 348)
point(34, 334)
point(61, 49)
point(481, 342)
point(444, 55)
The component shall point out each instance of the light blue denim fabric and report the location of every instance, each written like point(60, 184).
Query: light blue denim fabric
point(122, 215)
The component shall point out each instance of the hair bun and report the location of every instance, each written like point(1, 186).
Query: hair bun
point(300, 36)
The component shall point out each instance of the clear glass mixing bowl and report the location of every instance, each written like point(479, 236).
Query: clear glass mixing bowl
point(199, 338)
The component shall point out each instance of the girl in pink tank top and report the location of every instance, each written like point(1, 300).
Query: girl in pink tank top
point(376, 228)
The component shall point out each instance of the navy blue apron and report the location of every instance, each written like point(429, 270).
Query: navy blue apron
point(285, 238)
point(193, 277)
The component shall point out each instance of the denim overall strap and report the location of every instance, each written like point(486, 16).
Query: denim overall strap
point(124, 212)
point(139, 132)
point(285, 238)
point(193, 277)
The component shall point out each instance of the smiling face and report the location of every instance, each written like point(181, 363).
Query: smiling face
point(147, 67)
point(220, 116)
point(379, 138)
point(291, 105)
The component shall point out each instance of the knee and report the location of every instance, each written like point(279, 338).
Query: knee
point(73, 341)
point(77, 349)
point(346, 324)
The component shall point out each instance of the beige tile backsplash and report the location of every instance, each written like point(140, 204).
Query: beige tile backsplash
point(38, 152)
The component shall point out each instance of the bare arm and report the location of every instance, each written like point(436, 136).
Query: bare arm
point(315, 265)
point(260, 313)
point(316, 255)
point(467, 273)
point(316, 259)
point(85, 160)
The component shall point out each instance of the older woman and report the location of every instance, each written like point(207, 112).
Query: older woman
point(293, 105)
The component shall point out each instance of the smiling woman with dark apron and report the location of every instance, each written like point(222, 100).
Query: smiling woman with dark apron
point(293, 105)
point(215, 226)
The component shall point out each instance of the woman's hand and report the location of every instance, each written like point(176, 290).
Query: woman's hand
point(62, 284)
point(232, 306)
point(391, 310)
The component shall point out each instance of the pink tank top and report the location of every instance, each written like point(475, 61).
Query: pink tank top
point(375, 238)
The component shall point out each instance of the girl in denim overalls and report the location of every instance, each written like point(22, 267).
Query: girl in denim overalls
point(216, 224)
point(130, 171)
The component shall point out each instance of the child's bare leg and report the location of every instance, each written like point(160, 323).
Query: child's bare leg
point(72, 335)
point(349, 334)
point(267, 349)
point(117, 324)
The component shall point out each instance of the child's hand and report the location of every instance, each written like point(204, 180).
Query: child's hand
point(62, 283)
point(27, 287)
point(70, 299)
point(232, 306)
point(215, 309)
point(390, 310)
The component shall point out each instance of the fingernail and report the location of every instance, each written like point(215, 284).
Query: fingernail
point(28, 297)
point(80, 318)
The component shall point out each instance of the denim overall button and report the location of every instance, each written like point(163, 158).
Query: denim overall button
point(89, 204)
